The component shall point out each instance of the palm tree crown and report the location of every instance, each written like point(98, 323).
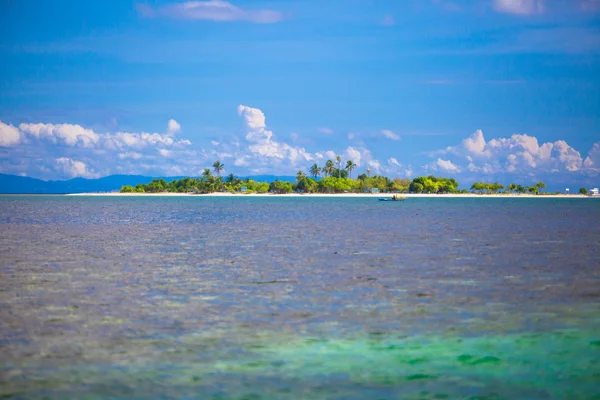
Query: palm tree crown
point(350, 166)
point(315, 170)
point(328, 168)
point(218, 167)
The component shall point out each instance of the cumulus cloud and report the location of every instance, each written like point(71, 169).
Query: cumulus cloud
point(72, 135)
point(326, 131)
point(211, 10)
point(262, 143)
point(52, 151)
point(9, 135)
point(520, 152)
point(519, 7)
point(68, 134)
point(173, 127)
point(476, 144)
point(73, 168)
point(592, 161)
point(390, 135)
point(446, 166)
point(356, 155)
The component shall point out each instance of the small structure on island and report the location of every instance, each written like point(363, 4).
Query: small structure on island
point(374, 190)
point(594, 192)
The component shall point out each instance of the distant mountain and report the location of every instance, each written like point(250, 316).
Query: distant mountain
point(269, 178)
point(13, 184)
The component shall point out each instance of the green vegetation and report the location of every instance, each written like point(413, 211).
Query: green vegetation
point(331, 178)
point(583, 191)
point(492, 188)
point(432, 184)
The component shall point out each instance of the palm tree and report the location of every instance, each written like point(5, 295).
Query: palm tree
point(230, 178)
point(206, 173)
point(540, 186)
point(218, 167)
point(328, 168)
point(300, 175)
point(350, 166)
point(338, 160)
point(315, 170)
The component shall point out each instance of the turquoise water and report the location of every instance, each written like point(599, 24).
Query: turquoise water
point(299, 298)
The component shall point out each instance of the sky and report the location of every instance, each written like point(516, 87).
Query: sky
point(478, 90)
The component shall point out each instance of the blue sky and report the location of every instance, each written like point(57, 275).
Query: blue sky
point(504, 90)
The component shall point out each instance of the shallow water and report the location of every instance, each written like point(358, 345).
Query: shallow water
point(299, 298)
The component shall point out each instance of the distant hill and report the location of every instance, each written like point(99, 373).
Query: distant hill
point(13, 184)
point(269, 178)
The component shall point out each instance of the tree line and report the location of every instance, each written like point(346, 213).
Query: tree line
point(331, 178)
point(483, 187)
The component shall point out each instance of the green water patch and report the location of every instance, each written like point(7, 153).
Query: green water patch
point(555, 365)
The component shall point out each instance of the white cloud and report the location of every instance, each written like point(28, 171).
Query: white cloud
point(165, 153)
point(73, 168)
point(212, 10)
point(390, 135)
point(520, 152)
point(326, 131)
point(57, 151)
point(519, 7)
point(393, 161)
point(592, 161)
point(355, 155)
point(446, 166)
point(68, 134)
point(375, 166)
point(131, 155)
point(9, 135)
point(173, 127)
point(476, 144)
point(262, 144)
point(330, 154)
point(72, 135)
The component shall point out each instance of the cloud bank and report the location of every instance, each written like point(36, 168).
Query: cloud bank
point(520, 7)
point(519, 153)
point(211, 10)
point(61, 151)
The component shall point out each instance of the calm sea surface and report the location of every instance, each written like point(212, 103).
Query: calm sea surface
point(299, 298)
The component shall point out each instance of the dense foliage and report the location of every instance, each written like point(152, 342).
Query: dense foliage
point(432, 184)
point(483, 187)
point(331, 178)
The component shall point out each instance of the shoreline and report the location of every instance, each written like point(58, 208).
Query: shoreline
point(344, 195)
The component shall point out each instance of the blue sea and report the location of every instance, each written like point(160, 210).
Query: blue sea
point(299, 298)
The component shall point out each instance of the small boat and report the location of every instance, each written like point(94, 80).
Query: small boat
point(392, 199)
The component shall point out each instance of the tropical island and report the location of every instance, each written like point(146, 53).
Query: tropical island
point(331, 179)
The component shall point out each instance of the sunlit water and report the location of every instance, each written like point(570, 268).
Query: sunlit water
point(299, 298)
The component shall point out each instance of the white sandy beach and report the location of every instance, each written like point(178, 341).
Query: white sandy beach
point(367, 195)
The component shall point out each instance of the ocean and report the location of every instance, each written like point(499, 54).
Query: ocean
point(299, 298)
